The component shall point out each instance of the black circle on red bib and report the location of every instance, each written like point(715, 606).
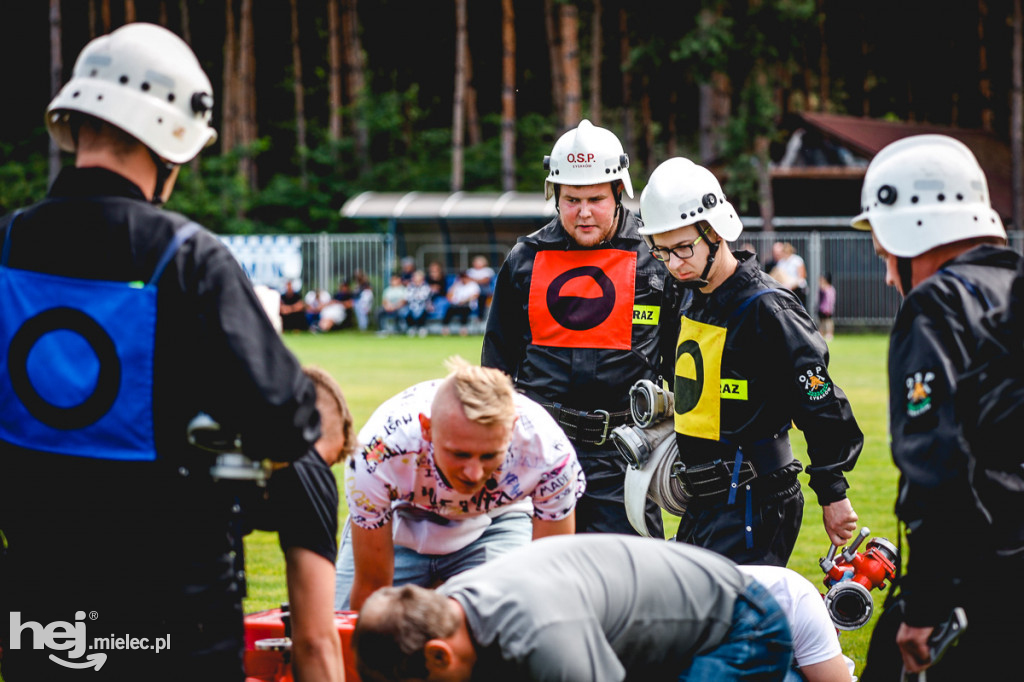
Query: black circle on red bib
point(108, 381)
point(577, 312)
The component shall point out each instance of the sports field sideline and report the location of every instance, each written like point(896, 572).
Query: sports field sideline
point(371, 368)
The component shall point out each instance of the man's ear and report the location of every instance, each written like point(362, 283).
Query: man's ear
point(425, 428)
point(438, 655)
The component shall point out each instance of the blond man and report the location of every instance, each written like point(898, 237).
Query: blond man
point(451, 473)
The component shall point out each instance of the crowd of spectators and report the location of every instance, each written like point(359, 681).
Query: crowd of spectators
point(415, 302)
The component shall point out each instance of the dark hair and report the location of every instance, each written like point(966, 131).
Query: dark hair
point(393, 627)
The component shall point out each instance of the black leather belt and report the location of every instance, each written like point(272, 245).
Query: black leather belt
point(581, 426)
point(717, 477)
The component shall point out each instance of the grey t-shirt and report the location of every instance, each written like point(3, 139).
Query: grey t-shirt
point(596, 607)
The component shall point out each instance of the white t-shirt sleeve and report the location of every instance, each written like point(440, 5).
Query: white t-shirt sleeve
point(814, 634)
point(543, 443)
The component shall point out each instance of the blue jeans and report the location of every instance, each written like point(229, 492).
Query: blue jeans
point(759, 645)
point(506, 532)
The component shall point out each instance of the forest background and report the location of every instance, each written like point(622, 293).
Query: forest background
point(318, 100)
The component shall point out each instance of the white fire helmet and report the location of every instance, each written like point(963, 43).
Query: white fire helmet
point(924, 191)
point(587, 155)
point(681, 193)
point(145, 80)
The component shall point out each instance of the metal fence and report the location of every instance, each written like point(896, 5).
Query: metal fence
point(863, 299)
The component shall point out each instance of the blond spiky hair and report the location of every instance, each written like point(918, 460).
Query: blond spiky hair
point(486, 394)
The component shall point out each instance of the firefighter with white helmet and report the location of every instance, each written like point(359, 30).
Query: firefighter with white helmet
point(925, 200)
point(746, 362)
point(121, 323)
point(574, 315)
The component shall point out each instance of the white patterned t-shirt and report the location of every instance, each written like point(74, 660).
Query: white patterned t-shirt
point(393, 477)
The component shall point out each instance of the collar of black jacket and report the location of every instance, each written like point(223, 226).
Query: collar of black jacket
point(86, 182)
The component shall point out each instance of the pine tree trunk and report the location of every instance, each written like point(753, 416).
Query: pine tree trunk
point(105, 15)
point(186, 23)
point(647, 125)
point(596, 47)
point(355, 65)
point(129, 11)
point(301, 147)
point(56, 78)
point(186, 34)
point(228, 138)
point(334, 77)
point(472, 111)
point(459, 99)
point(554, 37)
point(984, 81)
point(570, 22)
point(628, 129)
point(93, 20)
point(1017, 118)
point(247, 99)
point(824, 79)
point(672, 129)
point(508, 96)
point(162, 13)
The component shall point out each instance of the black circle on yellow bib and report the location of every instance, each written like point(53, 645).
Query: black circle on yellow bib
point(108, 381)
point(580, 313)
point(688, 390)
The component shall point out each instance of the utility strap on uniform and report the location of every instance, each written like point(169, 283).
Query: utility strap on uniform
point(591, 427)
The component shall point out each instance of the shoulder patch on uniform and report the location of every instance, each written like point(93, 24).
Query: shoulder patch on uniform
point(815, 382)
point(919, 393)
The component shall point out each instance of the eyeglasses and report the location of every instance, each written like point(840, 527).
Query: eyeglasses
point(680, 251)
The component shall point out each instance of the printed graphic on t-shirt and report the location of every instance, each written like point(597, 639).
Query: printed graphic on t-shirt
point(395, 469)
point(583, 299)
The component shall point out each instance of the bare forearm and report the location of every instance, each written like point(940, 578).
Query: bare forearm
point(316, 647)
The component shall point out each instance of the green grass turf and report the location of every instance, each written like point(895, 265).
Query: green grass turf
point(371, 369)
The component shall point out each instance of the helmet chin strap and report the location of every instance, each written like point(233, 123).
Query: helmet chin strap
point(702, 281)
point(905, 269)
point(163, 172)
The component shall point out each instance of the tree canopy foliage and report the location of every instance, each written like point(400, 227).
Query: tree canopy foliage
point(713, 80)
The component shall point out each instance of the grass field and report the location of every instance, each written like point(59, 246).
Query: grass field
point(371, 369)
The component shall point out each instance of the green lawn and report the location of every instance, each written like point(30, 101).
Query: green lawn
point(371, 369)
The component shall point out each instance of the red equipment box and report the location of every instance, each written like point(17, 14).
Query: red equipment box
point(271, 660)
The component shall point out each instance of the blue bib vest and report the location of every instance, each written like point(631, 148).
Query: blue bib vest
point(76, 361)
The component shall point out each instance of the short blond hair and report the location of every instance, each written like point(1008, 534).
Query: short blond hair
point(334, 412)
point(486, 394)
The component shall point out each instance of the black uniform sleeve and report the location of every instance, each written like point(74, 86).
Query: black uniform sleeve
point(261, 391)
point(505, 336)
point(820, 408)
point(935, 499)
point(302, 506)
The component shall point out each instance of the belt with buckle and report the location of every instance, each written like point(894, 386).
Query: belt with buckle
point(591, 427)
point(719, 476)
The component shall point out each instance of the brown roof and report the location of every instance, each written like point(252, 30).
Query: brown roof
point(866, 136)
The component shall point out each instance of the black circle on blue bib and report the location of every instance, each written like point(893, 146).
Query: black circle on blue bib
point(575, 312)
point(90, 410)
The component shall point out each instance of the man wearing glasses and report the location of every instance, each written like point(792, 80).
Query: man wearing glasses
point(747, 363)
